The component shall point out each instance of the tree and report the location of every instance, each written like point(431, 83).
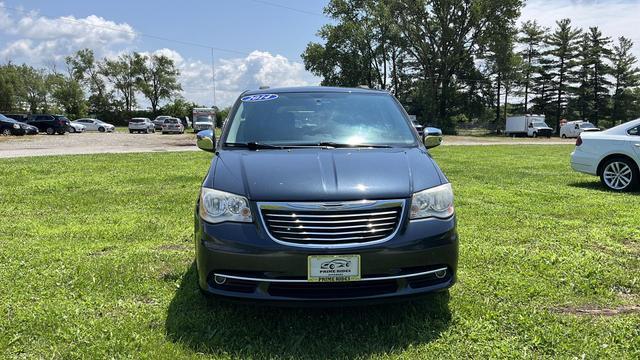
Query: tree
point(157, 78)
point(563, 46)
point(122, 74)
point(532, 38)
point(84, 69)
point(32, 88)
point(598, 52)
point(442, 35)
point(67, 93)
point(362, 48)
point(626, 76)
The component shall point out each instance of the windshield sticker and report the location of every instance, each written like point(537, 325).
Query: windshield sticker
point(259, 97)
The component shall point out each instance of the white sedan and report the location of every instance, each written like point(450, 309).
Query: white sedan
point(613, 155)
point(96, 125)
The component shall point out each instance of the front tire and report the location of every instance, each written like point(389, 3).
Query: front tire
point(619, 174)
point(101, 129)
point(564, 136)
point(72, 130)
point(50, 131)
point(6, 132)
point(535, 134)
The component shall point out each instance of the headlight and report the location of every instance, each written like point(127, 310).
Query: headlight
point(219, 206)
point(435, 202)
point(16, 126)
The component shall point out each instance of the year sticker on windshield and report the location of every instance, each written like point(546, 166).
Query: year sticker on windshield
point(259, 97)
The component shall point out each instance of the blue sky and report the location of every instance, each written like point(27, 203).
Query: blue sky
point(265, 36)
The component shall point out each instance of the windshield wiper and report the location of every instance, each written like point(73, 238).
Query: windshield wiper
point(343, 145)
point(254, 145)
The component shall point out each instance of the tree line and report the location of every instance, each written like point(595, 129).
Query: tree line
point(457, 64)
point(107, 88)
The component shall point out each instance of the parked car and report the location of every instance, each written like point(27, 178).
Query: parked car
point(50, 124)
point(18, 117)
point(9, 127)
point(306, 178)
point(159, 120)
point(202, 122)
point(96, 125)
point(76, 127)
point(419, 128)
point(141, 125)
point(21, 118)
point(613, 155)
point(573, 129)
point(527, 125)
point(172, 125)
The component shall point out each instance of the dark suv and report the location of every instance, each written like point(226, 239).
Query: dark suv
point(51, 124)
point(323, 195)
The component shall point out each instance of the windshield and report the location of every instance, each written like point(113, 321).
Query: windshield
point(136, 120)
point(204, 118)
point(171, 121)
point(540, 124)
point(587, 126)
point(4, 118)
point(314, 118)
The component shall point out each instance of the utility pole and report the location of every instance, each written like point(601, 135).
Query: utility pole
point(213, 77)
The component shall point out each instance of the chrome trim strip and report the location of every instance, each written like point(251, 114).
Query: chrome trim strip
point(329, 221)
point(362, 232)
point(373, 204)
point(306, 281)
point(334, 227)
point(294, 216)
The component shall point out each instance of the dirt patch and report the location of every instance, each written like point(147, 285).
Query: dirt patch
point(595, 311)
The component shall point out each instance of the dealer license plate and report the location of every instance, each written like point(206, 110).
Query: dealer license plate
point(333, 268)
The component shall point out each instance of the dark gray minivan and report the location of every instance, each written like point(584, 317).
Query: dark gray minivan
point(323, 195)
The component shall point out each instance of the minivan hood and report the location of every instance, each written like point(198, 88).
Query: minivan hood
point(324, 174)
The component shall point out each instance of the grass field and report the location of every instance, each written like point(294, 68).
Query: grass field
point(96, 261)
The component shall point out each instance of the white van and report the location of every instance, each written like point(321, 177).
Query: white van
point(573, 129)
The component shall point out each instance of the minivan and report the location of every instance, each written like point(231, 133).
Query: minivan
point(323, 195)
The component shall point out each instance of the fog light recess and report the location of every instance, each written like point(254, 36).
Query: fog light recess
point(219, 279)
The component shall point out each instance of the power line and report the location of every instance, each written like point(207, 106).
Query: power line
point(137, 33)
point(288, 8)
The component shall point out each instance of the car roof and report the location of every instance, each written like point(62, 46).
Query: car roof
point(314, 89)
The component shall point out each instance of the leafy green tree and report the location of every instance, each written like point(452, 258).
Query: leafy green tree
point(85, 69)
point(532, 38)
point(626, 76)
point(122, 73)
point(361, 48)
point(68, 94)
point(157, 78)
point(598, 52)
point(563, 47)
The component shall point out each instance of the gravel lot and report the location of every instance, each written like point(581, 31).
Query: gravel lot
point(119, 142)
point(94, 143)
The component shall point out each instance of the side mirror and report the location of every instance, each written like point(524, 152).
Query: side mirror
point(432, 137)
point(206, 140)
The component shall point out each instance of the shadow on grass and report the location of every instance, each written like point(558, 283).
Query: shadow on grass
point(596, 185)
point(248, 331)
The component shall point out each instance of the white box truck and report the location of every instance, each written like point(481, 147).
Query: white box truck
point(203, 119)
point(527, 125)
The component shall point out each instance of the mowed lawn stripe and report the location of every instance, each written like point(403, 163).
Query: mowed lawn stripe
point(96, 260)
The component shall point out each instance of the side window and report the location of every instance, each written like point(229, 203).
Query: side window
point(634, 131)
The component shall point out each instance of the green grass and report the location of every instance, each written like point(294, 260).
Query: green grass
point(96, 261)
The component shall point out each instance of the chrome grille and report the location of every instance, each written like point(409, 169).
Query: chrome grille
point(332, 224)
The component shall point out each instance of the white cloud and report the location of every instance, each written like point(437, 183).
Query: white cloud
point(614, 18)
point(39, 40)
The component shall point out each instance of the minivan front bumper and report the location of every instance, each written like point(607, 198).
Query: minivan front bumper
point(241, 261)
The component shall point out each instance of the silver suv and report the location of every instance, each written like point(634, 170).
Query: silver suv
point(141, 125)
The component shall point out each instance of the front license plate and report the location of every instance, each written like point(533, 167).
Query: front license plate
point(333, 268)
